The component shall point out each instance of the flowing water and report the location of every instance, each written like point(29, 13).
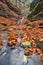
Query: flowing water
point(15, 57)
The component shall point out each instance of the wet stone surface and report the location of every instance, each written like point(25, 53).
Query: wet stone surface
point(15, 57)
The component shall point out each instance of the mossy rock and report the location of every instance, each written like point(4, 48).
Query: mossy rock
point(36, 12)
point(39, 44)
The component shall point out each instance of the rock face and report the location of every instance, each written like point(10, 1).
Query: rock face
point(36, 9)
point(24, 5)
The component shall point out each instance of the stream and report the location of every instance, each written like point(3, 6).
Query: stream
point(15, 56)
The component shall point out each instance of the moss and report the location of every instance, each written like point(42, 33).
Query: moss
point(39, 44)
point(37, 12)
